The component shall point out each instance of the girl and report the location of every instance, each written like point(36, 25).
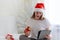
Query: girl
point(37, 22)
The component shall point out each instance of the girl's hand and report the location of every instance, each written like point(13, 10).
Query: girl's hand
point(48, 37)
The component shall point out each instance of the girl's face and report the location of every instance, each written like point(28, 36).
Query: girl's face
point(38, 15)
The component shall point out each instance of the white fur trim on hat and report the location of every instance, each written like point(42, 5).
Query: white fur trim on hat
point(39, 10)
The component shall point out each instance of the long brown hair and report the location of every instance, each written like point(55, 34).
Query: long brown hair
point(33, 16)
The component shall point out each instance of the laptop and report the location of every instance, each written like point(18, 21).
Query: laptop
point(43, 33)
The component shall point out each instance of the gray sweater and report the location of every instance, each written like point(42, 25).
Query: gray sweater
point(23, 37)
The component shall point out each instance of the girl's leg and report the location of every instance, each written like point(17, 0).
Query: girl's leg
point(32, 39)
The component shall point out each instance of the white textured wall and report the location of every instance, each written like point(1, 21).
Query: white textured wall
point(9, 9)
point(8, 12)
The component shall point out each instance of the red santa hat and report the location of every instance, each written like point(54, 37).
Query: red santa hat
point(39, 7)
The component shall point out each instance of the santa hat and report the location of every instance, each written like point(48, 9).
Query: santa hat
point(39, 7)
point(27, 29)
